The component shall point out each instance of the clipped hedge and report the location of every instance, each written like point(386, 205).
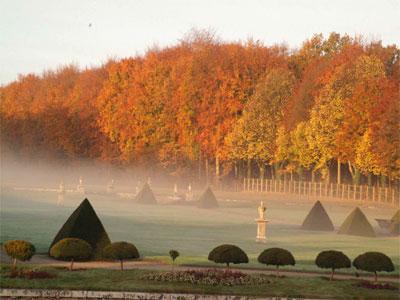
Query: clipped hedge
point(333, 260)
point(120, 251)
point(19, 250)
point(373, 262)
point(276, 257)
point(71, 249)
point(227, 254)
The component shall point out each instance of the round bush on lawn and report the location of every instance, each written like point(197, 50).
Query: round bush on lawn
point(373, 262)
point(19, 250)
point(120, 251)
point(71, 249)
point(173, 254)
point(276, 257)
point(227, 254)
point(332, 260)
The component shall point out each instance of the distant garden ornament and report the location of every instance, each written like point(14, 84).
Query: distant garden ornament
point(207, 199)
point(317, 219)
point(80, 188)
point(261, 224)
point(146, 195)
point(357, 224)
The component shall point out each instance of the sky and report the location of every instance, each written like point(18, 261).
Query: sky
point(40, 35)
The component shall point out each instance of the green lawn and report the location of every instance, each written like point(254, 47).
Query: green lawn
point(155, 230)
point(130, 280)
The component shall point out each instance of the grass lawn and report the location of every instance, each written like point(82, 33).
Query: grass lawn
point(130, 280)
point(155, 229)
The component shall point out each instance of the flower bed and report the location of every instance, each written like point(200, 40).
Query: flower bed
point(208, 277)
point(376, 286)
point(31, 274)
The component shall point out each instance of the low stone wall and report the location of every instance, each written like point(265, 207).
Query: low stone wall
point(66, 294)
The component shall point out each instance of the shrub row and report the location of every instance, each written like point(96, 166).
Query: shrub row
point(370, 261)
point(73, 249)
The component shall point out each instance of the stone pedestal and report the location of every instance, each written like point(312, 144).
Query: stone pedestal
point(261, 230)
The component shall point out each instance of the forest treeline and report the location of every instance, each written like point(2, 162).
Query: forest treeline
point(205, 108)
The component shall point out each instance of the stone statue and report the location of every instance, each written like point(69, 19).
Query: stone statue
point(261, 224)
point(261, 211)
point(189, 193)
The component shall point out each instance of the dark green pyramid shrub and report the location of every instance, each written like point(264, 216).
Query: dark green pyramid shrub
point(84, 224)
point(395, 224)
point(357, 224)
point(228, 254)
point(146, 196)
point(317, 219)
point(207, 199)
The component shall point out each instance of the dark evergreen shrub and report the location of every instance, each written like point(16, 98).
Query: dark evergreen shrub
point(276, 257)
point(332, 260)
point(227, 254)
point(71, 249)
point(121, 251)
point(207, 199)
point(84, 224)
point(146, 195)
point(373, 262)
point(317, 219)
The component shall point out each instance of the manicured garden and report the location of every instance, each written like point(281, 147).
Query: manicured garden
point(139, 280)
point(83, 237)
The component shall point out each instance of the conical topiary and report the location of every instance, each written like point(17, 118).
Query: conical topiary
point(84, 224)
point(146, 196)
point(357, 224)
point(207, 199)
point(395, 223)
point(317, 219)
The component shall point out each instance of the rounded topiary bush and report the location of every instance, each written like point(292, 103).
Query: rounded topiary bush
point(333, 260)
point(227, 254)
point(174, 255)
point(373, 262)
point(120, 251)
point(71, 249)
point(276, 257)
point(19, 250)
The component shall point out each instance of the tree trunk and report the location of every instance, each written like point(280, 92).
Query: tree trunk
point(14, 266)
point(71, 266)
point(121, 264)
point(332, 273)
point(339, 179)
point(200, 165)
point(217, 173)
point(261, 167)
point(236, 170)
point(376, 277)
point(369, 179)
point(248, 168)
point(227, 264)
point(312, 175)
point(277, 270)
point(355, 174)
point(207, 171)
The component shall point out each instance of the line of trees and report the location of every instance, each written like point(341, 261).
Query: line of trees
point(220, 110)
